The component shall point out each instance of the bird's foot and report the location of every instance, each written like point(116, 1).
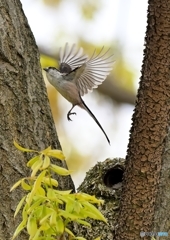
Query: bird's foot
point(68, 115)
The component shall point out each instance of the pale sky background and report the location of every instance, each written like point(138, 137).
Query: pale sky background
point(123, 21)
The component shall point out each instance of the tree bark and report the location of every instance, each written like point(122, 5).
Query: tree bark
point(24, 109)
point(148, 140)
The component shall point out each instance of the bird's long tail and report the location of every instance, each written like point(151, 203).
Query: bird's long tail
point(84, 106)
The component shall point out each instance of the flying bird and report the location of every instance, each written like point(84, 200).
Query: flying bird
point(78, 74)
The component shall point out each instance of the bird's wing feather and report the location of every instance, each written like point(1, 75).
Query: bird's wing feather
point(72, 56)
point(93, 72)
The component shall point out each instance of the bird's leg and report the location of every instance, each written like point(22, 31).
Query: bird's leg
point(70, 113)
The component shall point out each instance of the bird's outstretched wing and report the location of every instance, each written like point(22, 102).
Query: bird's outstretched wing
point(71, 58)
point(93, 72)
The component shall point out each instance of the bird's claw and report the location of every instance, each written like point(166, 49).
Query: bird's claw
point(68, 115)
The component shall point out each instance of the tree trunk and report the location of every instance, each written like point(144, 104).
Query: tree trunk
point(24, 109)
point(148, 140)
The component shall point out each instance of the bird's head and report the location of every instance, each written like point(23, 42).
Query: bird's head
point(53, 75)
point(52, 71)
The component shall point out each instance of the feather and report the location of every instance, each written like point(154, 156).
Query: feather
point(94, 71)
point(72, 56)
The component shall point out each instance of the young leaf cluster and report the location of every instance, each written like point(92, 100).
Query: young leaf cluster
point(47, 211)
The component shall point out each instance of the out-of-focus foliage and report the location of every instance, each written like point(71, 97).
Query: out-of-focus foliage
point(76, 161)
point(51, 2)
point(88, 8)
point(124, 73)
point(53, 98)
point(47, 61)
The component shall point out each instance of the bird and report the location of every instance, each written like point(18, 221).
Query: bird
point(78, 74)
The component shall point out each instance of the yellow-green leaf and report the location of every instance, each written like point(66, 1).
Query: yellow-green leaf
point(59, 170)
point(56, 154)
point(16, 185)
point(39, 211)
point(50, 181)
point(83, 222)
point(20, 227)
point(25, 186)
point(45, 226)
point(41, 192)
point(69, 232)
point(44, 219)
point(46, 162)
point(19, 205)
point(93, 212)
point(31, 225)
point(45, 151)
point(70, 205)
point(36, 186)
point(32, 161)
point(53, 219)
point(53, 153)
point(67, 192)
point(68, 215)
point(36, 236)
point(21, 148)
point(38, 181)
point(35, 205)
point(36, 166)
point(89, 198)
point(24, 212)
point(51, 194)
point(60, 225)
point(65, 198)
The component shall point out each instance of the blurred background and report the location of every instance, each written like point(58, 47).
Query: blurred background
point(116, 24)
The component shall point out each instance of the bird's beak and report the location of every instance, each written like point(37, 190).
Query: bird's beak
point(45, 69)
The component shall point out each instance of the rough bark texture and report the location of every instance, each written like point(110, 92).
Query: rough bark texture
point(161, 221)
point(104, 181)
point(24, 108)
point(149, 130)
